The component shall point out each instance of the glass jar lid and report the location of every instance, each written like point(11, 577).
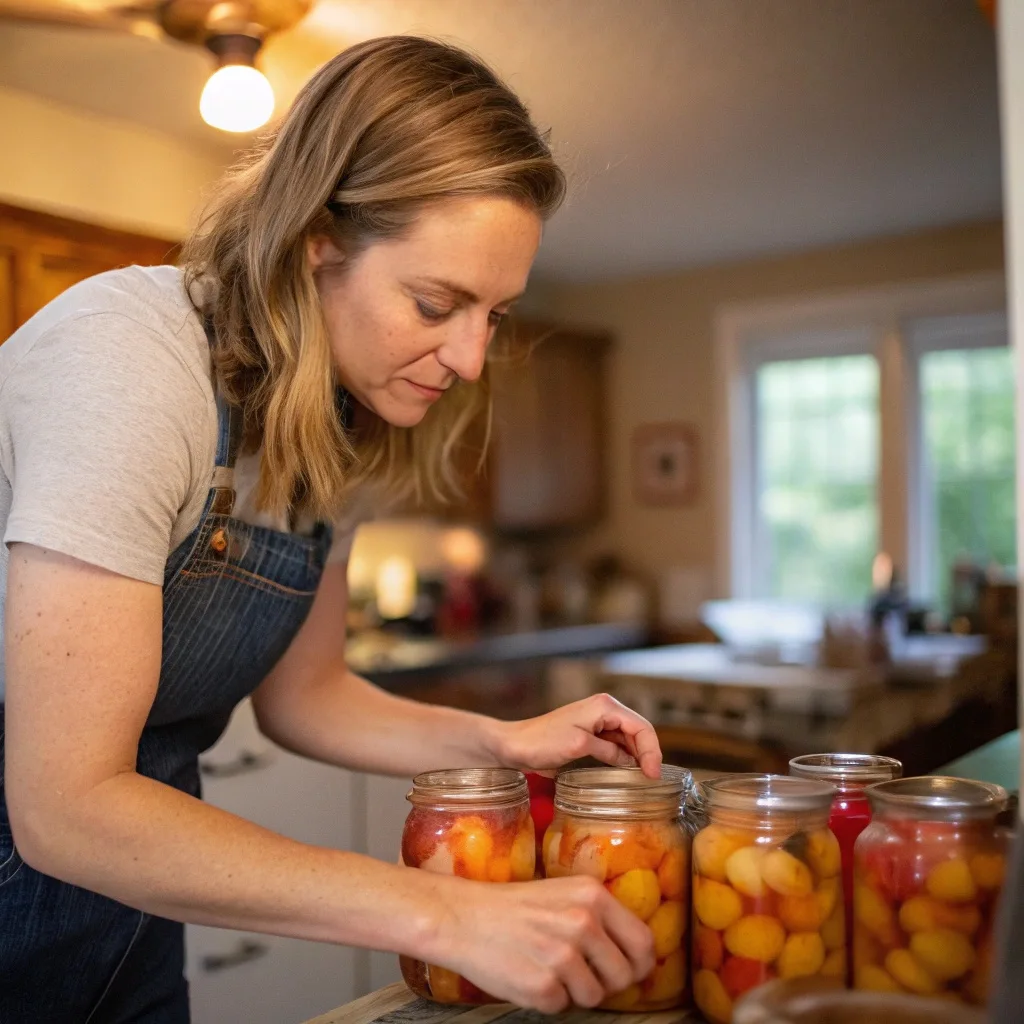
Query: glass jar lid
point(769, 793)
point(937, 796)
point(622, 792)
point(462, 788)
point(846, 771)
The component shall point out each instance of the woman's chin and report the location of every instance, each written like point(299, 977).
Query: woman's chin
point(402, 415)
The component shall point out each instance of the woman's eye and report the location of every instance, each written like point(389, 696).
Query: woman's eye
point(496, 317)
point(429, 312)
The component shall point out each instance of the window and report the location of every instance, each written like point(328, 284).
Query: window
point(877, 422)
point(817, 466)
point(967, 450)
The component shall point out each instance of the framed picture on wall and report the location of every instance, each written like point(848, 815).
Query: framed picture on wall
point(665, 465)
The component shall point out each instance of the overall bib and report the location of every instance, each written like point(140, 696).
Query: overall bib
point(234, 596)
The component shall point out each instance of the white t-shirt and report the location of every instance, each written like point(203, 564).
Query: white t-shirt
point(108, 428)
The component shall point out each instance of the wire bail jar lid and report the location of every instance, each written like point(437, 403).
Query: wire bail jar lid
point(940, 797)
point(622, 792)
point(847, 772)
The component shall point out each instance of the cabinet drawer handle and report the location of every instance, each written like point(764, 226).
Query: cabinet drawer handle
point(247, 950)
point(246, 761)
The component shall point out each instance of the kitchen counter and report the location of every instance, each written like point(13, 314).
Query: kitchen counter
point(998, 762)
point(795, 708)
point(393, 662)
point(395, 1004)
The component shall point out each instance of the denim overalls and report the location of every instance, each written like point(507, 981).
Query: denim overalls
point(234, 597)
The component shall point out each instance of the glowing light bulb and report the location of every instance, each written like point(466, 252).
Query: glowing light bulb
point(237, 98)
point(396, 588)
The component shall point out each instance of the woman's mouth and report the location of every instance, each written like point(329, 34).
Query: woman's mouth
point(431, 394)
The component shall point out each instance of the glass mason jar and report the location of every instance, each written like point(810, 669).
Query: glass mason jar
point(851, 774)
point(474, 823)
point(626, 830)
point(928, 871)
point(767, 900)
point(806, 1001)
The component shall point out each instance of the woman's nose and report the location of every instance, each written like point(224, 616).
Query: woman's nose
point(465, 348)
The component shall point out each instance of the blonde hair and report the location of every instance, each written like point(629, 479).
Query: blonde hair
point(381, 131)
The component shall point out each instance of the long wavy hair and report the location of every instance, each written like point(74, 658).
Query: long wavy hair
point(378, 133)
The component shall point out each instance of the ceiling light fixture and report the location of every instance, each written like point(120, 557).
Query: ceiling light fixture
point(237, 97)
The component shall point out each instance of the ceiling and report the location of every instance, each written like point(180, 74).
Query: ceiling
point(694, 131)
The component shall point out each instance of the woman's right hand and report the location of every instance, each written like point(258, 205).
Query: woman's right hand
point(546, 944)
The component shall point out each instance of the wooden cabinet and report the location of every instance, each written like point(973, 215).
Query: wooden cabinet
point(547, 468)
point(545, 465)
point(42, 255)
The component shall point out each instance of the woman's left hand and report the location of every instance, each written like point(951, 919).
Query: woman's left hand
point(600, 727)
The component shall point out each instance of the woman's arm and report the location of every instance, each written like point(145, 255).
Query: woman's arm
point(313, 705)
point(82, 652)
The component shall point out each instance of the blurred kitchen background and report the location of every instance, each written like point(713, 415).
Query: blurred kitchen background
point(752, 461)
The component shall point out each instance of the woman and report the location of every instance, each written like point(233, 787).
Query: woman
point(179, 450)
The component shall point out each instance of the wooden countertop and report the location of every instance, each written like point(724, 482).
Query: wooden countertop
point(397, 1005)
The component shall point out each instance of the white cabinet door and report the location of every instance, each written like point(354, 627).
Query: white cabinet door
point(262, 979)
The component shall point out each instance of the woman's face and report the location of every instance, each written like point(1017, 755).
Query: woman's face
point(411, 316)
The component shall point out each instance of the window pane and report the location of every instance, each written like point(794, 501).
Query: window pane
point(968, 460)
point(817, 465)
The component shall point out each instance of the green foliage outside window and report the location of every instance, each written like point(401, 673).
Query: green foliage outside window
point(969, 449)
point(817, 468)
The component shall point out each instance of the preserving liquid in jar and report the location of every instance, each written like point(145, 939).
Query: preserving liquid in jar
point(851, 774)
point(474, 823)
point(928, 875)
point(627, 831)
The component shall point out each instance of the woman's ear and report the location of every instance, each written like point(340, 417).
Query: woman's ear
point(322, 252)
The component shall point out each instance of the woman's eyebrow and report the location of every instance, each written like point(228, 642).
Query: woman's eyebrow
point(462, 294)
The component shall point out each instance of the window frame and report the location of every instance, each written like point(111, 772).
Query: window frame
point(814, 326)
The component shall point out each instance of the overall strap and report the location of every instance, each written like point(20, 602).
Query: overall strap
point(229, 438)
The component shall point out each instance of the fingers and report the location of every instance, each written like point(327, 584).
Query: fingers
point(609, 947)
point(638, 734)
point(612, 967)
point(648, 751)
point(631, 936)
point(609, 752)
point(580, 982)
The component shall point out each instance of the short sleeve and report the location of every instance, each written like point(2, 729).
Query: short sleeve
point(361, 509)
point(102, 425)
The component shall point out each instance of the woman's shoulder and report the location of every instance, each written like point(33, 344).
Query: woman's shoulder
point(139, 313)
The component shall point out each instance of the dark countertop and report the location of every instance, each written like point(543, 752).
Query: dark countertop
point(998, 762)
point(393, 661)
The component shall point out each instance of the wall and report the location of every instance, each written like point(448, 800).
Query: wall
point(661, 367)
point(97, 169)
point(1011, 88)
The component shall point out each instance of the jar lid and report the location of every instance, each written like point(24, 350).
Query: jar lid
point(618, 792)
point(783, 793)
point(468, 787)
point(939, 796)
point(846, 771)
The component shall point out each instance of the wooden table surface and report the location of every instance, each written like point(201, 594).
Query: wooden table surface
point(397, 1005)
